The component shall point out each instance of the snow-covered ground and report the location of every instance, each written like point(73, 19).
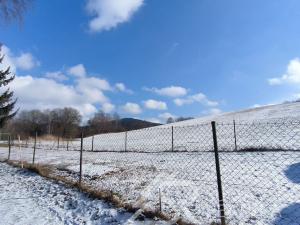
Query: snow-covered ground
point(26, 198)
point(269, 127)
point(259, 187)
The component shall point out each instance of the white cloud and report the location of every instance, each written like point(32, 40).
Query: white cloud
point(110, 13)
point(24, 61)
point(157, 105)
point(94, 82)
point(292, 74)
point(56, 75)
point(121, 87)
point(43, 93)
point(132, 108)
point(92, 88)
point(108, 107)
point(84, 93)
point(171, 91)
point(77, 71)
point(200, 98)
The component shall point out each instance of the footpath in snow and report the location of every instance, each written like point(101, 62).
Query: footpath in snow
point(26, 198)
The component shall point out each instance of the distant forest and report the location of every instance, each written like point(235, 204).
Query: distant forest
point(66, 122)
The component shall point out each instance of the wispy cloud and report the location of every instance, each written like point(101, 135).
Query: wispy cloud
point(291, 76)
point(110, 13)
point(171, 91)
point(200, 98)
point(24, 61)
point(56, 75)
point(122, 88)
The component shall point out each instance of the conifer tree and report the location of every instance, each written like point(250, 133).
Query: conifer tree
point(7, 102)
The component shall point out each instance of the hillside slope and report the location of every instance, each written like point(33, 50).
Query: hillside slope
point(286, 111)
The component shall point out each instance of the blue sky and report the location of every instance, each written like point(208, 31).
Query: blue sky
point(152, 58)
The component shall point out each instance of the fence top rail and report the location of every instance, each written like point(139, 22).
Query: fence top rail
point(261, 122)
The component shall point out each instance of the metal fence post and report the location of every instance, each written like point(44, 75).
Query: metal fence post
point(80, 160)
point(125, 141)
point(68, 144)
point(172, 138)
point(234, 133)
point(218, 171)
point(58, 143)
point(9, 146)
point(159, 199)
point(93, 143)
point(34, 148)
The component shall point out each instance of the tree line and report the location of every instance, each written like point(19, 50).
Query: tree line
point(64, 122)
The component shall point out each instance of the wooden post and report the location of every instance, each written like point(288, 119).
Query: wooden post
point(58, 143)
point(218, 171)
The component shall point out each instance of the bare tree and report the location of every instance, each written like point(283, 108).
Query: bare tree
point(65, 122)
point(13, 9)
point(170, 120)
point(61, 122)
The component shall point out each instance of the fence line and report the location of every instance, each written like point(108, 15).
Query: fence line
point(212, 173)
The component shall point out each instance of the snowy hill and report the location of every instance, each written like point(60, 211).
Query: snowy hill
point(286, 111)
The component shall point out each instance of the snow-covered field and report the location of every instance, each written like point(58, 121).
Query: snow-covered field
point(26, 198)
point(269, 127)
point(259, 187)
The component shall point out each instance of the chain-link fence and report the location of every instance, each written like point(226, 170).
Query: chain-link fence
point(213, 173)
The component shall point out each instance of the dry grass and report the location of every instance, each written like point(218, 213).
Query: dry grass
point(49, 172)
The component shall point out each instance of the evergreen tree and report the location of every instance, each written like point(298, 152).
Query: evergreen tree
point(7, 103)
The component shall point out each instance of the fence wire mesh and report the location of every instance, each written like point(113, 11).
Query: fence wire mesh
point(172, 169)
